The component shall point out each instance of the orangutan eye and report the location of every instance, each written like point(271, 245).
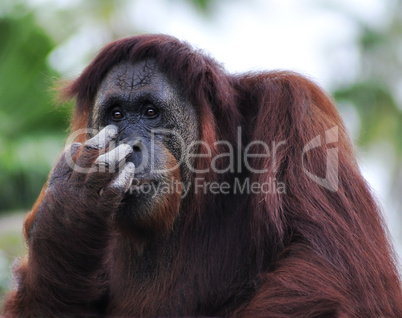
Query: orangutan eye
point(117, 114)
point(151, 111)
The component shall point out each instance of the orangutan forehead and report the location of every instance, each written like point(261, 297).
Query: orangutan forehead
point(127, 77)
point(130, 76)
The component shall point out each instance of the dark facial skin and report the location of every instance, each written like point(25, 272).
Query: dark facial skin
point(153, 117)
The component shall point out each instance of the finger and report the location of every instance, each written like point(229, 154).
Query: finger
point(90, 152)
point(120, 185)
point(106, 165)
point(103, 138)
point(65, 164)
point(124, 179)
point(114, 158)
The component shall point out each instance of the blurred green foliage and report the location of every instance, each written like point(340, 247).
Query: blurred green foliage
point(202, 4)
point(376, 93)
point(31, 129)
point(11, 246)
point(380, 117)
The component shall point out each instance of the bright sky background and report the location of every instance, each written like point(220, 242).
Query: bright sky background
point(313, 37)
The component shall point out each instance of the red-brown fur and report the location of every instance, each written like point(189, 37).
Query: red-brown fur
point(308, 253)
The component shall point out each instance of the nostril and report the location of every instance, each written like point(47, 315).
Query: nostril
point(139, 156)
point(137, 148)
point(137, 145)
